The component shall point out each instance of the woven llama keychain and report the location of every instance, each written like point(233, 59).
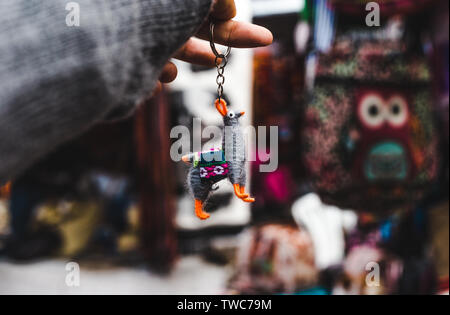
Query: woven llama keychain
point(209, 168)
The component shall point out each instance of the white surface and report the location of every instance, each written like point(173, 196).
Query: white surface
point(225, 216)
point(272, 7)
point(191, 276)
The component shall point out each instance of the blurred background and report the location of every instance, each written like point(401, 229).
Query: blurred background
point(113, 201)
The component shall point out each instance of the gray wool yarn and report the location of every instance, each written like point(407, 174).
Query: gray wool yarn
point(234, 146)
point(198, 187)
point(57, 81)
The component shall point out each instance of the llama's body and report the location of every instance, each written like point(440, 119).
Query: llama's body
point(234, 147)
point(232, 167)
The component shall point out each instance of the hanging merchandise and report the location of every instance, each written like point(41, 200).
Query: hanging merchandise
point(439, 56)
point(277, 97)
point(359, 272)
point(274, 259)
point(370, 140)
point(327, 226)
point(303, 28)
point(387, 7)
point(390, 257)
point(209, 168)
point(324, 29)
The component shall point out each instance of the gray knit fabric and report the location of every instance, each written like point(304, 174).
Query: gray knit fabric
point(233, 144)
point(56, 81)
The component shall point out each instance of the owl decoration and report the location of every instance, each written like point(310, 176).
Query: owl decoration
point(369, 134)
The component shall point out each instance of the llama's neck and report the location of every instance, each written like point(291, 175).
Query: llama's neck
point(233, 143)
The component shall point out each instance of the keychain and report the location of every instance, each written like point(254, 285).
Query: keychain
point(209, 168)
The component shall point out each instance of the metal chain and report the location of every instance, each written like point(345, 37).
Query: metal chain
point(221, 62)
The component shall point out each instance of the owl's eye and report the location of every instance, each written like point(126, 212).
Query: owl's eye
point(231, 114)
point(398, 112)
point(371, 111)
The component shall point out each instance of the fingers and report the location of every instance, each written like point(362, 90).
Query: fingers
point(196, 51)
point(223, 10)
point(158, 89)
point(169, 73)
point(238, 34)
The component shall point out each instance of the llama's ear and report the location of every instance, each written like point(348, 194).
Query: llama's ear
point(187, 159)
point(222, 107)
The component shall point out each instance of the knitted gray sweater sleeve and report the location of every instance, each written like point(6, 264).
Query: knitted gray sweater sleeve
point(56, 81)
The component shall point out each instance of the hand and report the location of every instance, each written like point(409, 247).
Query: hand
point(227, 32)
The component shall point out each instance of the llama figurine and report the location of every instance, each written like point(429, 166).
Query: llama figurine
point(211, 167)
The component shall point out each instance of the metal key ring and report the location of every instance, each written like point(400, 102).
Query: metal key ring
point(213, 45)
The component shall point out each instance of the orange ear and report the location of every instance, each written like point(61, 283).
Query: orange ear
point(222, 107)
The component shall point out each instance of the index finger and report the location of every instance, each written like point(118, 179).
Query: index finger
point(223, 9)
point(238, 34)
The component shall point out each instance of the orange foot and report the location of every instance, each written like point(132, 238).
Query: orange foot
point(199, 210)
point(240, 193)
point(248, 199)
